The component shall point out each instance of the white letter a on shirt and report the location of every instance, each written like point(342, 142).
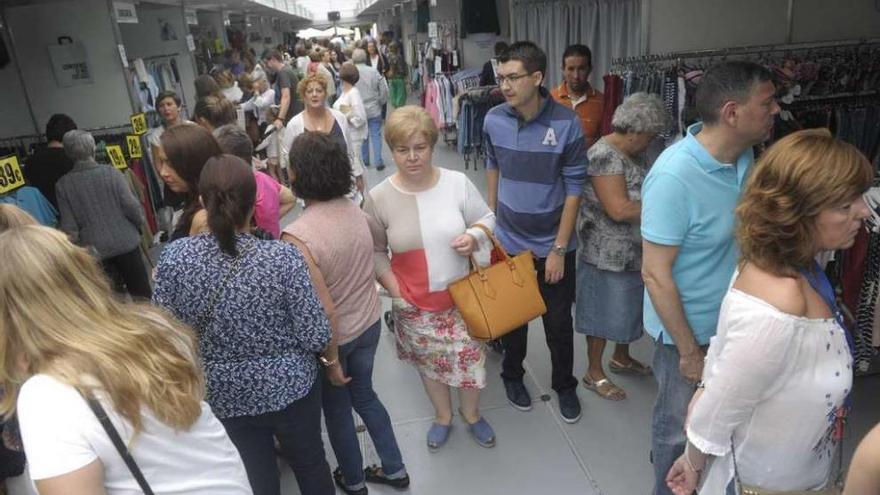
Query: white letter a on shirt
point(550, 137)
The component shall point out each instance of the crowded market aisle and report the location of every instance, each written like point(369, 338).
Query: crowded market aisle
point(606, 452)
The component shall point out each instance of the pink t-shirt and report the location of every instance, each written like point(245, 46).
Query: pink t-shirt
point(268, 204)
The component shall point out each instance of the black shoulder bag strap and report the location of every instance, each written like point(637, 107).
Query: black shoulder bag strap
point(99, 412)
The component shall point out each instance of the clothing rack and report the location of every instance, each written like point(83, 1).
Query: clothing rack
point(154, 57)
point(833, 85)
point(41, 137)
point(743, 50)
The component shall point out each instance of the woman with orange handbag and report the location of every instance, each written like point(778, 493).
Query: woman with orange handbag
point(426, 216)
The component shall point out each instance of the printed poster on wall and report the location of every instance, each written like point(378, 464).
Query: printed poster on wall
point(126, 13)
point(70, 64)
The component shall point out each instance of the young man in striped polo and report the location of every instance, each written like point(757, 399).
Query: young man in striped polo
point(536, 167)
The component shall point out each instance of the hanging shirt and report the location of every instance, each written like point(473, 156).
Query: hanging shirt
point(31, 200)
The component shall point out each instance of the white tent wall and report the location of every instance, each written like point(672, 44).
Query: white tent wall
point(263, 26)
point(478, 48)
point(143, 40)
point(35, 27)
point(213, 22)
point(474, 50)
point(16, 119)
point(681, 25)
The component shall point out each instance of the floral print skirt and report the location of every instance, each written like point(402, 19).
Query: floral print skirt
point(438, 345)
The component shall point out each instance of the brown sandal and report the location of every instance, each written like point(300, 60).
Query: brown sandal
point(605, 388)
point(633, 368)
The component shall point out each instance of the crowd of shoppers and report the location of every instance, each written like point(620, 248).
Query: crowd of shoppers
point(258, 329)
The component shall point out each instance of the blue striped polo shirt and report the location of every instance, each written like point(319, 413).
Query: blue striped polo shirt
point(540, 162)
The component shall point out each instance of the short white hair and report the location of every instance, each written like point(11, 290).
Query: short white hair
point(359, 56)
point(640, 113)
point(79, 145)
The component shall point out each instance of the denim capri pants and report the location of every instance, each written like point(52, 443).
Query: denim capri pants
point(609, 304)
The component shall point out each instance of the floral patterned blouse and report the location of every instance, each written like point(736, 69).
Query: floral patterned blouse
point(605, 243)
point(259, 349)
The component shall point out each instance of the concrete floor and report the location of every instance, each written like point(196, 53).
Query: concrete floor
point(606, 452)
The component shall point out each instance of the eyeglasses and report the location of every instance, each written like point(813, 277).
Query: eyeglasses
point(513, 78)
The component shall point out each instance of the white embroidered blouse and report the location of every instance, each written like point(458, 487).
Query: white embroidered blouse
point(774, 383)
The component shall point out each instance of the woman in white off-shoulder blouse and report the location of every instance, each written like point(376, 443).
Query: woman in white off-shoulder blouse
point(779, 369)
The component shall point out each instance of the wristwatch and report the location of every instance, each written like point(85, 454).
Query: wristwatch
point(327, 363)
point(559, 249)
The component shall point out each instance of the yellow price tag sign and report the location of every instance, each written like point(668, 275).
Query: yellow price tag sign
point(134, 146)
point(11, 177)
point(139, 123)
point(114, 151)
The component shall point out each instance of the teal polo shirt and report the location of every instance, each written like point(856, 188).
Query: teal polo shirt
point(688, 200)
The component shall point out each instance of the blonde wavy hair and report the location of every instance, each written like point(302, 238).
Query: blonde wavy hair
point(59, 317)
point(801, 175)
point(12, 216)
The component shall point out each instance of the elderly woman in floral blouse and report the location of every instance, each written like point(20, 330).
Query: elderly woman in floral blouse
point(609, 282)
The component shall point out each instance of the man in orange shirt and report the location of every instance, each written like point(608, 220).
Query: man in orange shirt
point(576, 91)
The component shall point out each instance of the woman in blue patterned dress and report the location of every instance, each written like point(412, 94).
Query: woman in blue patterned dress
point(261, 327)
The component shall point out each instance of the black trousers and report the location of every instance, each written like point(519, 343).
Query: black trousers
point(298, 429)
point(558, 329)
point(127, 271)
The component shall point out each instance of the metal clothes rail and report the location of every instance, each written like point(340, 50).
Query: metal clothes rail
point(746, 50)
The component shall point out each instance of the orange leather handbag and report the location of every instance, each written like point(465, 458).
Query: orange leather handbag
point(501, 297)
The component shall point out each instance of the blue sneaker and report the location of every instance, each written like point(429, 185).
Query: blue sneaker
point(517, 395)
point(569, 406)
point(482, 432)
point(437, 436)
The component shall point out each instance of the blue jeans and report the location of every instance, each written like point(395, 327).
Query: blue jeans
point(374, 142)
point(356, 358)
point(667, 426)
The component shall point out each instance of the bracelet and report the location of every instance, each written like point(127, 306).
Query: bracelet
point(327, 363)
point(687, 460)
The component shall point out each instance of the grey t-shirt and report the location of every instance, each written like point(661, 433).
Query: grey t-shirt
point(605, 243)
point(286, 78)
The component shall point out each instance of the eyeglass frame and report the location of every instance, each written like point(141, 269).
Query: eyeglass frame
point(512, 78)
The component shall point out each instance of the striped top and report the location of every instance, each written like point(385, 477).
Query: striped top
point(540, 163)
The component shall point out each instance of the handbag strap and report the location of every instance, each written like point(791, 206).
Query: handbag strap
point(99, 412)
point(495, 246)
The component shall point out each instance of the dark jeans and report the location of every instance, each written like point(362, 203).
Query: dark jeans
point(356, 358)
point(298, 429)
point(127, 271)
point(670, 409)
point(558, 330)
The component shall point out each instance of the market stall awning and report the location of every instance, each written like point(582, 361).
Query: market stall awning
point(312, 33)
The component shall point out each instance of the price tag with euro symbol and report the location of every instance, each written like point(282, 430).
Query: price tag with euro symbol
point(134, 146)
point(11, 177)
point(139, 123)
point(114, 151)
